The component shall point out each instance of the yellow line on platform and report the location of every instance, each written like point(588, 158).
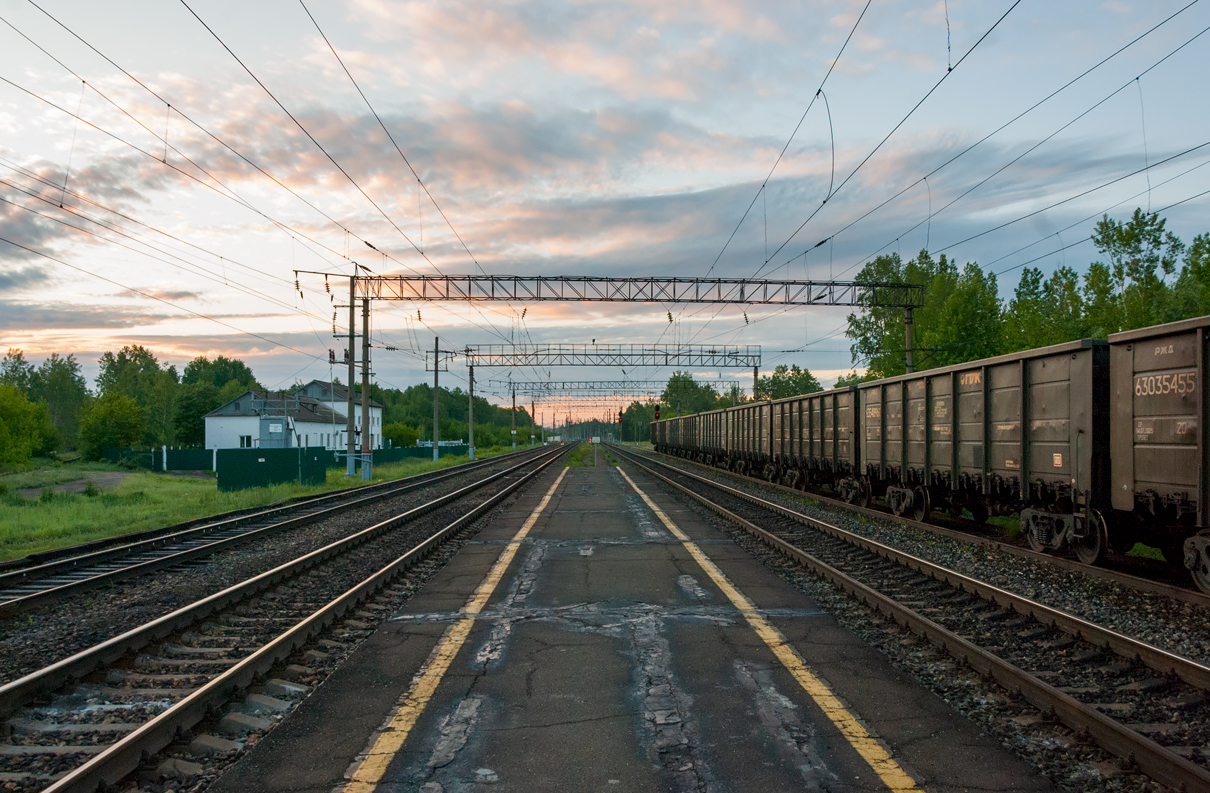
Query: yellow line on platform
point(873, 752)
point(392, 737)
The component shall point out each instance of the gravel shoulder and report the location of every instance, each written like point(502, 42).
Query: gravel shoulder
point(34, 639)
point(1179, 628)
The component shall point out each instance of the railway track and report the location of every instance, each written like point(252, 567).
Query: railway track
point(1136, 701)
point(1183, 593)
point(91, 719)
point(36, 585)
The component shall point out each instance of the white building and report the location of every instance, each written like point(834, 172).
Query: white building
point(268, 419)
point(336, 399)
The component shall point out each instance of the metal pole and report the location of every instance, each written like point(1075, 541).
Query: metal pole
point(351, 449)
point(532, 414)
point(471, 414)
point(367, 445)
point(543, 425)
point(436, 367)
point(755, 377)
point(907, 328)
point(514, 418)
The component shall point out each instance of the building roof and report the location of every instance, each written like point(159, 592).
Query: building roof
point(324, 390)
point(277, 403)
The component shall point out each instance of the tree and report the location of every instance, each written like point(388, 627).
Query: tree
point(1047, 312)
point(968, 325)
point(193, 402)
point(877, 331)
point(685, 395)
point(16, 371)
point(60, 383)
point(135, 372)
point(852, 378)
point(25, 428)
point(219, 372)
point(400, 435)
point(787, 381)
point(114, 420)
point(1142, 256)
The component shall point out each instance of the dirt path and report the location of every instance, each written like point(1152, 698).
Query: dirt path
point(101, 480)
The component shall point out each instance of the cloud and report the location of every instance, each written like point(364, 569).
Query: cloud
point(28, 316)
point(162, 294)
point(21, 278)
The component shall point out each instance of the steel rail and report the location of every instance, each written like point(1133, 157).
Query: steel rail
point(120, 759)
point(49, 562)
point(52, 594)
point(1151, 759)
point(16, 693)
point(1139, 583)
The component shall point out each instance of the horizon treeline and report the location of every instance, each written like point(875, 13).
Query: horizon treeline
point(1144, 275)
point(141, 402)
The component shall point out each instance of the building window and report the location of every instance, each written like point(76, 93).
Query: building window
point(245, 441)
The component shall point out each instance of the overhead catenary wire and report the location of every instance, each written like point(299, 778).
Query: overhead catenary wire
point(176, 108)
point(1027, 151)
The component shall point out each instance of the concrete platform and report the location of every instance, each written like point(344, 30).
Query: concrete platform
point(608, 659)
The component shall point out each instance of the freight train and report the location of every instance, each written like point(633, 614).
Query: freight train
point(1094, 444)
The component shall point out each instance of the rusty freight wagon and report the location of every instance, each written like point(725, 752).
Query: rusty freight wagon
point(1026, 432)
point(1159, 443)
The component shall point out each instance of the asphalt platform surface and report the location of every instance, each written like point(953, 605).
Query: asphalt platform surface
point(608, 659)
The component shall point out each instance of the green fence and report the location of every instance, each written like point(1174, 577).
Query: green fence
point(416, 453)
point(153, 459)
point(313, 465)
point(239, 469)
point(189, 459)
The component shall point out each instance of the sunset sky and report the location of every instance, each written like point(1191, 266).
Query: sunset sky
point(600, 138)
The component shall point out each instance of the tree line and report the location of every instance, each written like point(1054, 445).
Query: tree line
point(1145, 275)
point(142, 402)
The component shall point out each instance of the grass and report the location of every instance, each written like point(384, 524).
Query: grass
point(581, 456)
point(145, 500)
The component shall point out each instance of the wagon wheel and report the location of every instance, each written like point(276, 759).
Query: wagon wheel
point(1035, 545)
point(1091, 548)
point(1201, 574)
point(978, 512)
point(864, 493)
point(920, 503)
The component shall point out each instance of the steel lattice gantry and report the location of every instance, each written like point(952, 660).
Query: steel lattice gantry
point(569, 288)
point(677, 355)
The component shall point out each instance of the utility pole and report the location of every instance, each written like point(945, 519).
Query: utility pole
point(755, 377)
point(471, 415)
point(533, 407)
point(543, 425)
point(367, 448)
point(351, 450)
point(436, 369)
point(514, 418)
point(907, 327)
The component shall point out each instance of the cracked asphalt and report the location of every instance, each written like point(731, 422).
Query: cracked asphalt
point(608, 660)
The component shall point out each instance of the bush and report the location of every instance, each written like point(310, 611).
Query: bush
point(90, 489)
point(400, 435)
point(25, 428)
point(113, 420)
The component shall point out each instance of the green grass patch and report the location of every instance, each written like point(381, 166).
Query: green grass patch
point(145, 500)
point(1146, 552)
point(580, 457)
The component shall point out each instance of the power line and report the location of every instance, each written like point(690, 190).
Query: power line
point(1015, 119)
point(894, 129)
point(1031, 149)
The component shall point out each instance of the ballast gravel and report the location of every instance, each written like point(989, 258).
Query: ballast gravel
point(42, 636)
point(305, 667)
point(1056, 751)
point(1177, 627)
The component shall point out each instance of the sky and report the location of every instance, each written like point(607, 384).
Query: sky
point(166, 167)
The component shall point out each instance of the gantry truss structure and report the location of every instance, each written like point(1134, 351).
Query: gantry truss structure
point(677, 355)
point(569, 288)
point(597, 388)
